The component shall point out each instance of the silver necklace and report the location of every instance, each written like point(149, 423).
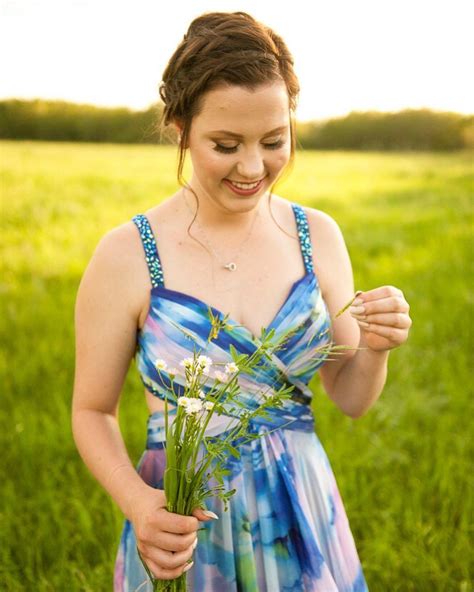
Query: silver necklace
point(232, 265)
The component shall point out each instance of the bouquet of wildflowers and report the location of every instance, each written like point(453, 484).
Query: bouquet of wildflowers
point(193, 459)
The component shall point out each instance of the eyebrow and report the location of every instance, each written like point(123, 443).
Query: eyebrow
point(234, 135)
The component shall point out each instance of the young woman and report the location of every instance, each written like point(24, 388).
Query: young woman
point(225, 240)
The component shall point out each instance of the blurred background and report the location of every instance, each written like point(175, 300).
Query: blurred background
point(376, 75)
point(385, 138)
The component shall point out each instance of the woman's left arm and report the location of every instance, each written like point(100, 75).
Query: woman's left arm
point(382, 315)
point(356, 379)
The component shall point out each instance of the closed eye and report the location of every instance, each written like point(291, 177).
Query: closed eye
point(227, 150)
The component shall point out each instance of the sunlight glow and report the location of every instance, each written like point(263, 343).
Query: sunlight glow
point(349, 55)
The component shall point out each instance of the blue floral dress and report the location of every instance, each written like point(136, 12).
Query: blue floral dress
point(285, 528)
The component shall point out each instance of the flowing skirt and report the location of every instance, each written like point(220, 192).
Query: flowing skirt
point(285, 529)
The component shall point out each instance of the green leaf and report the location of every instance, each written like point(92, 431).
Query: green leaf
point(233, 352)
point(233, 450)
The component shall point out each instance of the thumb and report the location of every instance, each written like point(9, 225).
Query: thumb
point(204, 515)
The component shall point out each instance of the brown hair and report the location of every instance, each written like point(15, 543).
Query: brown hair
point(223, 48)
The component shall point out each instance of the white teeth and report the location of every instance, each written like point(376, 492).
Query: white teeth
point(245, 185)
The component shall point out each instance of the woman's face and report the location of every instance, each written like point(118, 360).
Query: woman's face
point(257, 151)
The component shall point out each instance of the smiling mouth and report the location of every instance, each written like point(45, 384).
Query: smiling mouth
point(246, 185)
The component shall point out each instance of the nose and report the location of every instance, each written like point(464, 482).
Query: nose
point(251, 165)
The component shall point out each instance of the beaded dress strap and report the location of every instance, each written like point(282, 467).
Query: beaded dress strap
point(151, 251)
point(304, 236)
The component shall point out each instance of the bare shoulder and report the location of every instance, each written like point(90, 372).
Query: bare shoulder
point(328, 245)
point(119, 254)
point(105, 322)
point(333, 268)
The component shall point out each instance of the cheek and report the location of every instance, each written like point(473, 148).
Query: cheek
point(208, 162)
point(211, 161)
point(282, 159)
point(216, 162)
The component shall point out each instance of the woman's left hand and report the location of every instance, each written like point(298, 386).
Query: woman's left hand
point(384, 319)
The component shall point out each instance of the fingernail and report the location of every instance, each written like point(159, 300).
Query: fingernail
point(363, 323)
point(211, 514)
point(195, 543)
point(189, 566)
point(357, 301)
point(357, 310)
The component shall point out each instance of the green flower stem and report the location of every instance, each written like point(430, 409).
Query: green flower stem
point(208, 418)
point(186, 474)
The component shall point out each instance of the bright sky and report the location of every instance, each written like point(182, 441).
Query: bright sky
point(349, 54)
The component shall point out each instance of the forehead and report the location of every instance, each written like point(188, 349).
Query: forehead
point(243, 111)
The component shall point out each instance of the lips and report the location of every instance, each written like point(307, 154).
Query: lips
point(239, 191)
point(245, 182)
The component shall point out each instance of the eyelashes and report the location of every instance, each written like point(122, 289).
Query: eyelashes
point(225, 150)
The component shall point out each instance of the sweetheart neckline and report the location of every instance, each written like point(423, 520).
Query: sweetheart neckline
point(216, 312)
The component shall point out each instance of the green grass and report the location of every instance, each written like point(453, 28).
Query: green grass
point(403, 468)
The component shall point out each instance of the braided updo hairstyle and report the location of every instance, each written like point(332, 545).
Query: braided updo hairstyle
point(223, 48)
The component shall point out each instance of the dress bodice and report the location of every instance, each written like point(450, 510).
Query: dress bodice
point(178, 324)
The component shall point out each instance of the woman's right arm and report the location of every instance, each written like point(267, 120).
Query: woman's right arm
point(106, 313)
point(108, 305)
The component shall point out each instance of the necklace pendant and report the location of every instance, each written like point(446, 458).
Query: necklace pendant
point(231, 266)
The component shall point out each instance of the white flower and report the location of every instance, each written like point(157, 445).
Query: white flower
point(172, 371)
point(160, 364)
point(187, 362)
point(193, 406)
point(183, 401)
point(204, 364)
point(231, 367)
point(221, 376)
point(204, 361)
point(209, 405)
point(202, 394)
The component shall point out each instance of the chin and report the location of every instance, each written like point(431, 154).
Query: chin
point(249, 200)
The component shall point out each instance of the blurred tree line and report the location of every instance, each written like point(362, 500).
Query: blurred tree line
point(410, 129)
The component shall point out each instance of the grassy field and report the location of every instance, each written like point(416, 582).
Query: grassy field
point(403, 468)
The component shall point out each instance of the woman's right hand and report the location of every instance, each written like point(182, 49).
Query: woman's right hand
point(166, 541)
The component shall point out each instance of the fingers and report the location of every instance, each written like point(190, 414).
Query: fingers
point(175, 542)
point(393, 335)
point(176, 523)
point(392, 319)
point(204, 515)
point(168, 564)
point(383, 311)
point(383, 292)
point(167, 541)
point(169, 560)
point(166, 574)
point(389, 304)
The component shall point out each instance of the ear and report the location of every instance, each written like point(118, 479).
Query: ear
point(178, 126)
point(178, 130)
